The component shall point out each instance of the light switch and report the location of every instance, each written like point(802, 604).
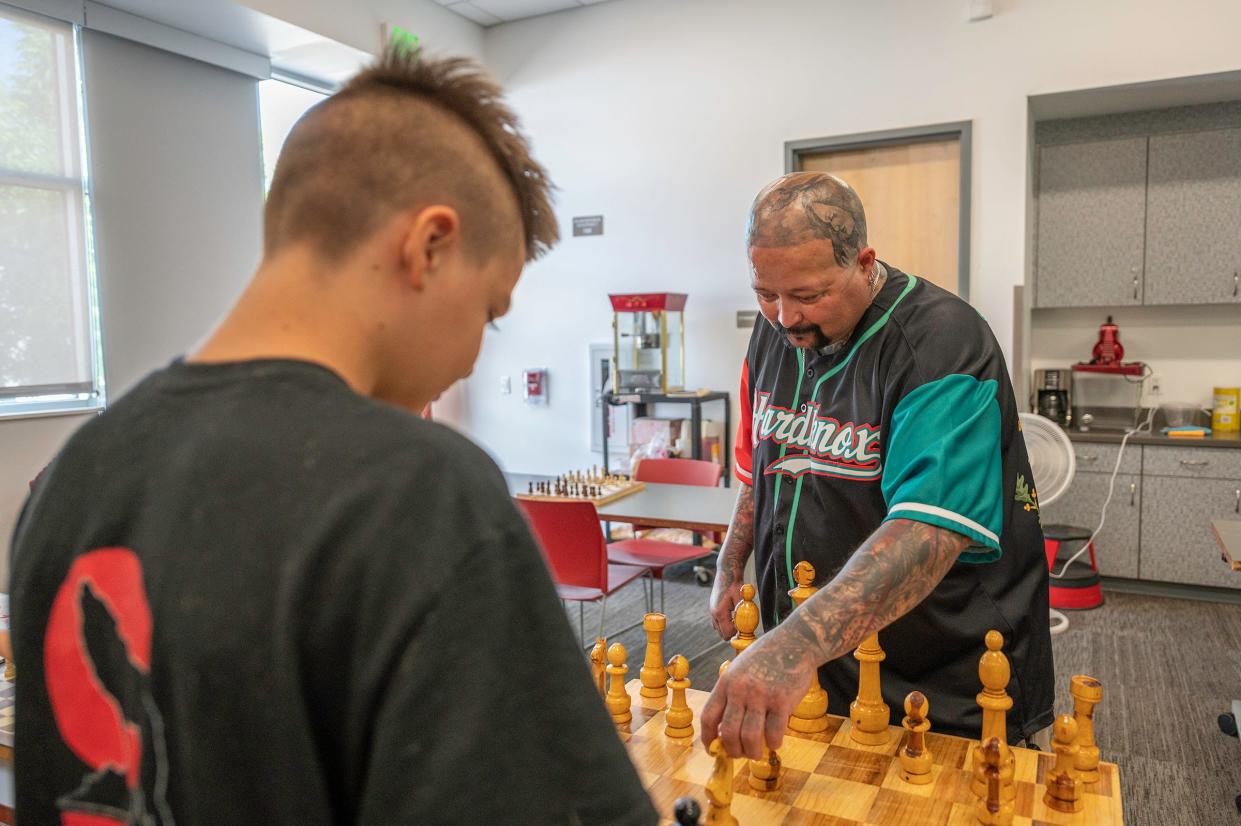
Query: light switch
point(506, 385)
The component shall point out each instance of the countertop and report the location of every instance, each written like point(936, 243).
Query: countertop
point(1232, 440)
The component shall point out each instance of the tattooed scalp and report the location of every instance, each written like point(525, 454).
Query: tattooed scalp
point(809, 206)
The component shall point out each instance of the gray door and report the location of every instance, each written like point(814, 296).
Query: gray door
point(1177, 542)
point(1193, 218)
point(1091, 221)
point(1116, 548)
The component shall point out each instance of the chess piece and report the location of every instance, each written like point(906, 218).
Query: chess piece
point(745, 618)
point(765, 774)
point(992, 809)
point(1087, 692)
point(869, 713)
point(598, 665)
point(653, 674)
point(680, 717)
point(916, 758)
point(720, 787)
point(810, 716)
point(618, 699)
point(1064, 793)
point(686, 811)
point(994, 672)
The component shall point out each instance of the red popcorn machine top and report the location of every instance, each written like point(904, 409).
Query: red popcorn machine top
point(648, 335)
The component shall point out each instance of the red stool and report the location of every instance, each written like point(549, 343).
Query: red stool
point(1079, 586)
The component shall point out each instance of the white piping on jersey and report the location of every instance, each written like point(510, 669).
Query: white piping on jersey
point(944, 513)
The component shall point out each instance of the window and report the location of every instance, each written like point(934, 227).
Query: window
point(281, 104)
point(50, 357)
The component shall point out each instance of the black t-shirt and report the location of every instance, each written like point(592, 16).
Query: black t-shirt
point(913, 419)
point(246, 594)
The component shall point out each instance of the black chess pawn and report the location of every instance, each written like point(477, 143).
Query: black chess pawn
point(686, 811)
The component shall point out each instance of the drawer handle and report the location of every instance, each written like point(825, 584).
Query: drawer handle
point(1082, 458)
point(1237, 507)
point(1135, 288)
point(1196, 462)
point(1236, 282)
point(1133, 492)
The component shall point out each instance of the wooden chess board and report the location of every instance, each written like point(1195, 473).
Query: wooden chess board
point(608, 492)
point(830, 780)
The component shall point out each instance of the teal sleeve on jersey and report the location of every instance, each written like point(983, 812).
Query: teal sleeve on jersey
point(942, 461)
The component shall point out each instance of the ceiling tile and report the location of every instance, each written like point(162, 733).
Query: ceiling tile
point(471, 11)
point(517, 9)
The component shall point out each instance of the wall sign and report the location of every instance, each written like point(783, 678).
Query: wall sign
point(587, 224)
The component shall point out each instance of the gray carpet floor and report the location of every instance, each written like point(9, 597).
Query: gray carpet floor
point(1169, 669)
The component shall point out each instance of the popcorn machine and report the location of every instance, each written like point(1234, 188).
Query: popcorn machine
point(648, 335)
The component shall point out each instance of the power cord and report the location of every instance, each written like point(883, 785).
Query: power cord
point(1144, 427)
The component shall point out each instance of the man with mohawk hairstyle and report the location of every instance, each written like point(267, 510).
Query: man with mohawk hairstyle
point(260, 589)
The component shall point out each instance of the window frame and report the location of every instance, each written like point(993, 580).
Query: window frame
point(90, 395)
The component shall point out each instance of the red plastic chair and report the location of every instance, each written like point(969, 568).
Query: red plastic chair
point(657, 554)
point(573, 545)
point(679, 472)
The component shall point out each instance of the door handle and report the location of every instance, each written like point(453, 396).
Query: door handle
point(1135, 288)
point(1133, 492)
point(1236, 282)
point(1196, 463)
point(1237, 507)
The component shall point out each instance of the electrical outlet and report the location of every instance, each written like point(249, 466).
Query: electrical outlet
point(1156, 385)
point(506, 385)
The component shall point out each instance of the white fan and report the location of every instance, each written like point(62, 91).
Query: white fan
point(1053, 464)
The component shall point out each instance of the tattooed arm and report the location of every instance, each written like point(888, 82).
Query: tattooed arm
point(892, 572)
point(730, 563)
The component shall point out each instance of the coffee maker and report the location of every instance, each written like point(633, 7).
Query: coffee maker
point(1052, 386)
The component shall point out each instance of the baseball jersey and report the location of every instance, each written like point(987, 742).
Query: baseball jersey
point(914, 418)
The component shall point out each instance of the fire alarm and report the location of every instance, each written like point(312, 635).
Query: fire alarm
point(534, 380)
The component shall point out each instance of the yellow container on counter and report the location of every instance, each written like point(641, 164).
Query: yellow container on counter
point(1226, 414)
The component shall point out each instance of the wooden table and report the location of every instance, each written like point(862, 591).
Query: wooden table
point(1228, 533)
point(689, 507)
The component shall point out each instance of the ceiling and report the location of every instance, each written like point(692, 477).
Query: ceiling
point(493, 12)
point(292, 49)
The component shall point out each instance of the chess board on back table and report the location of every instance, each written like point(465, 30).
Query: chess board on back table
point(829, 780)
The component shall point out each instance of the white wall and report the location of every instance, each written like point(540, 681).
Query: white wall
point(667, 116)
point(357, 23)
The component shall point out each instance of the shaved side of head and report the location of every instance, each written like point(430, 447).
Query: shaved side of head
point(410, 132)
point(809, 206)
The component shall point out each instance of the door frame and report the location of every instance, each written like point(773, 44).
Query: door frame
point(961, 130)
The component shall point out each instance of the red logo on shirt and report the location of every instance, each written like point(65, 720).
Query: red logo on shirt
point(829, 447)
point(97, 661)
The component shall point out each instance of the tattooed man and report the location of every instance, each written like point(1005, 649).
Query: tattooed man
point(879, 441)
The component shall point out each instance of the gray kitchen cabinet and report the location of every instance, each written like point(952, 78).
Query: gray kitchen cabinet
point(1116, 547)
point(1177, 543)
point(1193, 218)
point(1091, 224)
point(1094, 457)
